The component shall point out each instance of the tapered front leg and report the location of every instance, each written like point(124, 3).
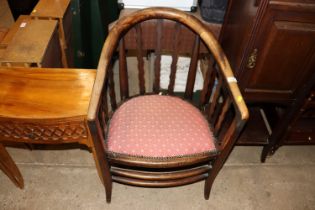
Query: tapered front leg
point(101, 161)
point(8, 166)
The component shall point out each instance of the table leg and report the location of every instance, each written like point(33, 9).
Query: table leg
point(8, 166)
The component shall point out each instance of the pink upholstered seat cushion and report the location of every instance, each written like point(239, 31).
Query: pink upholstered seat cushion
point(159, 126)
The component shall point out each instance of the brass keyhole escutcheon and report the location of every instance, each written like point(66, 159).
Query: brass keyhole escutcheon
point(251, 63)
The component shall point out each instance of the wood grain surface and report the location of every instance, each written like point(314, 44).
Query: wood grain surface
point(12, 30)
point(30, 42)
point(45, 93)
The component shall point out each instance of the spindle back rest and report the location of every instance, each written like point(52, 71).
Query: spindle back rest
point(219, 91)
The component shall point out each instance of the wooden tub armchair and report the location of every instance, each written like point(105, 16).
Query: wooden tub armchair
point(157, 139)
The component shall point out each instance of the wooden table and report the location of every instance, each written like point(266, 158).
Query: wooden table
point(43, 106)
point(57, 10)
point(32, 43)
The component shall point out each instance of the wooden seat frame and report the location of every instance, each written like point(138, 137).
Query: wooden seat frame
point(220, 101)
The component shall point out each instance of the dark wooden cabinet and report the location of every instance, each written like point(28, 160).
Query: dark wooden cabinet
point(271, 45)
point(301, 128)
point(297, 124)
point(271, 48)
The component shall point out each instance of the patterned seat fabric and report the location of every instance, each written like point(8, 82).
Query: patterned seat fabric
point(159, 127)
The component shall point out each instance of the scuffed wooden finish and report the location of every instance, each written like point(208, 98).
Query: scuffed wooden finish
point(26, 48)
point(57, 10)
point(221, 103)
point(12, 30)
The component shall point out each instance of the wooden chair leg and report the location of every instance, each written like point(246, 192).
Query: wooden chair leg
point(210, 179)
point(101, 161)
point(104, 174)
point(266, 150)
point(108, 190)
point(8, 166)
point(216, 167)
point(97, 164)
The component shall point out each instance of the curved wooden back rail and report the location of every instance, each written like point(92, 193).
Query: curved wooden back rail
point(220, 100)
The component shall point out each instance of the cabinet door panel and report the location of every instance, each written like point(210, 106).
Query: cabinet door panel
point(285, 57)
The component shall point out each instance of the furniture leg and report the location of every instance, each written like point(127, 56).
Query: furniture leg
point(211, 177)
point(268, 150)
point(97, 164)
point(220, 160)
point(101, 161)
point(8, 166)
point(217, 165)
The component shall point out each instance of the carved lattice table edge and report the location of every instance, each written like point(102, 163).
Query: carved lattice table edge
point(72, 131)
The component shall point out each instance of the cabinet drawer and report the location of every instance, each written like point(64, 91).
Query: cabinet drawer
point(43, 131)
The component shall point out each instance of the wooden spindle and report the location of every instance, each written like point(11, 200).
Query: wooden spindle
point(140, 59)
point(123, 73)
point(192, 69)
point(225, 108)
point(174, 59)
point(215, 97)
point(208, 83)
point(157, 62)
point(111, 85)
point(104, 104)
point(103, 118)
